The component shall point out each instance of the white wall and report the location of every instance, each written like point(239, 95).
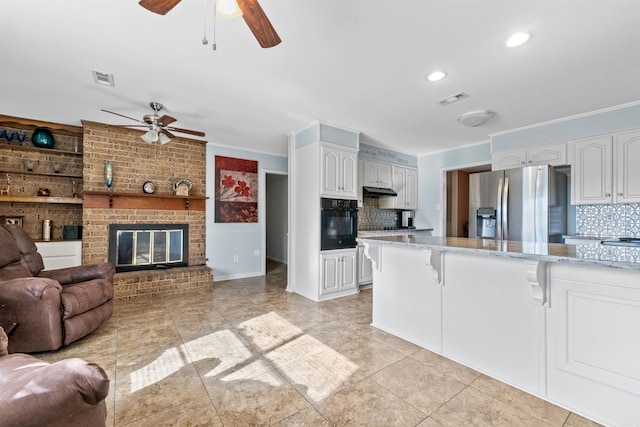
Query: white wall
point(276, 217)
point(244, 240)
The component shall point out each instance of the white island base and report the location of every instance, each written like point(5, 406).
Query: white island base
point(568, 333)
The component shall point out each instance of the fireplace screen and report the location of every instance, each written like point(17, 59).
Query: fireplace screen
point(147, 246)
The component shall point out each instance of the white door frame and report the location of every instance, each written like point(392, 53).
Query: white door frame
point(262, 214)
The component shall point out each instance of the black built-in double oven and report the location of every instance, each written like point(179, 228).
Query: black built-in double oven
point(339, 224)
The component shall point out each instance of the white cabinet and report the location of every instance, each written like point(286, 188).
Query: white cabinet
point(337, 271)
point(549, 154)
point(365, 267)
point(60, 254)
point(593, 348)
point(339, 172)
point(376, 174)
point(605, 169)
point(405, 183)
point(626, 167)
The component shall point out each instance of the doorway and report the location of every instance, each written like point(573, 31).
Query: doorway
point(276, 222)
point(457, 200)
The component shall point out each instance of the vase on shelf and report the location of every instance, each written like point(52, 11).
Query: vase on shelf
point(43, 138)
point(21, 135)
point(9, 135)
point(108, 174)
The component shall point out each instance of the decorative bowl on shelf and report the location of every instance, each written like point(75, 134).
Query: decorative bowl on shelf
point(43, 138)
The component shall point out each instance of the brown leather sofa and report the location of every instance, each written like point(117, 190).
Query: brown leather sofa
point(67, 393)
point(50, 308)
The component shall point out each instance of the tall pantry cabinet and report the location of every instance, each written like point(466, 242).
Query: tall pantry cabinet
point(322, 163)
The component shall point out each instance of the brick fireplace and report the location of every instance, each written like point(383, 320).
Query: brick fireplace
point(135, 162)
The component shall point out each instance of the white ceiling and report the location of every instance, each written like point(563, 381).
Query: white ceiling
point(353, 63)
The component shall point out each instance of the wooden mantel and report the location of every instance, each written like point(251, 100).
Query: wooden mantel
point(119, 200)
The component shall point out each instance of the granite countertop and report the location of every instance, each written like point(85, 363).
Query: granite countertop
point(397, 231)
point(588, 254)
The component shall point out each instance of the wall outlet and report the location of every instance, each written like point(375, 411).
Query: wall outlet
point(235, 258)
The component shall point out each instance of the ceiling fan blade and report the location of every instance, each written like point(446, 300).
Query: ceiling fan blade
point(258, 23)
point(169, 134)
point(190, 132)
point(166, 120)
point(160, 7)
point(122, 115)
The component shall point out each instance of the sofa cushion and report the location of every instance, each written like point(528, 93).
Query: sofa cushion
point(70, 392)
point(27, 247)
point(15, 270)
point(81, 297)
point(9, 251)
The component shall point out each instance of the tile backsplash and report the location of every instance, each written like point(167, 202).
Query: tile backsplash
point(608, 220)
point(370, 217)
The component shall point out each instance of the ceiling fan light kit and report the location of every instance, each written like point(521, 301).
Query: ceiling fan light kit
point(158, 126)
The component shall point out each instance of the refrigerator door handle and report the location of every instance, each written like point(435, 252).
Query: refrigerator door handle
point(499, 213)
point(505, 210)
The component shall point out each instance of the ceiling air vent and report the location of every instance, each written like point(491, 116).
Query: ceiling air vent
point(453, 98)
point(101, 78)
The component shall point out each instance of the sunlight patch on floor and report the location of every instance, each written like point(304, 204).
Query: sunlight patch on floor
point(283, 343)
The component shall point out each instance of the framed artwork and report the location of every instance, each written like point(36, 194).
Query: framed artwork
point(236, 190)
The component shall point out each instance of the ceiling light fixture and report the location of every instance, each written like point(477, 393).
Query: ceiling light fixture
point(517, 39)
point(476, 118)
point(436, 76)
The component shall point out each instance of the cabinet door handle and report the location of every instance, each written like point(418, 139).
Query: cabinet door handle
point(608, 195)
point(619, 194)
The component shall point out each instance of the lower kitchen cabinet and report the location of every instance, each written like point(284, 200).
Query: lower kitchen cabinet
point(338, 271)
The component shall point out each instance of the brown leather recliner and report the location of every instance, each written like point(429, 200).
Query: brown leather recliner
point(50, 308)
point(67, 393)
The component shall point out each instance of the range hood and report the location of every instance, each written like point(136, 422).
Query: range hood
point(378, 192)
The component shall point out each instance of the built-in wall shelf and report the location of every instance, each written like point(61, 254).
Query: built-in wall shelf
point(42, 199)
point(15, 146)
point(62, 175)
point(122, 200)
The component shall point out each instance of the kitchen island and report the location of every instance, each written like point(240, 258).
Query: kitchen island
point(561, 322)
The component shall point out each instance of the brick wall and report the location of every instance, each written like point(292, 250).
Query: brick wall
point(135, 162)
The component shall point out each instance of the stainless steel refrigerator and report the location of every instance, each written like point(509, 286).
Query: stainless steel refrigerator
point(525, 204)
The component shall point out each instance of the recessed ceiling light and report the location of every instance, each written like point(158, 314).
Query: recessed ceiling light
point(436, 75)
point(517, 39)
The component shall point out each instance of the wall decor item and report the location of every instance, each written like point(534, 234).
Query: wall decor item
point(9, 135)
point(108, 174)
point(236, 190)
point(149, 187)
point(43, 138)
point(181, 187)
point(12, 220)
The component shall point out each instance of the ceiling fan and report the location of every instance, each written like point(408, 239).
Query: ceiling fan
point(252, 13)
point(159, 129)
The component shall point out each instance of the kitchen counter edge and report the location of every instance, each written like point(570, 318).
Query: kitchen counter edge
point(589, 254)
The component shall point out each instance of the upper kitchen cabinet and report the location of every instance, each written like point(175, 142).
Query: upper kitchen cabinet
point(405, 183)
point(549, 154)
point(605, 169)
point(626, 167)
point(339, 172)
point(376, 174)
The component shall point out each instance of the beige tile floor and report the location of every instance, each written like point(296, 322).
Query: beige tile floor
point(248, 353)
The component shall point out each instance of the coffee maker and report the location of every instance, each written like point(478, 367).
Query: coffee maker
point(407, 219)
